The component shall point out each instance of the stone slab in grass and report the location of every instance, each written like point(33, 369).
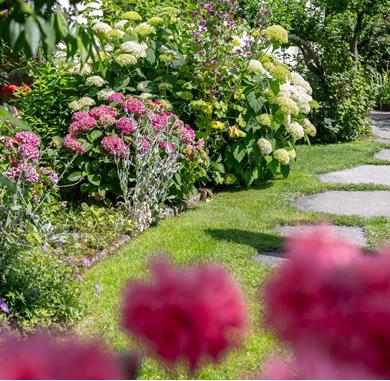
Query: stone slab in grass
point(350, 234)
point(363, 174)
point(348, 203)
point(383, 155)
point(273, 259)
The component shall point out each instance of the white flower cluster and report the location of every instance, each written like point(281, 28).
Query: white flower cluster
point(298, 80)
point(95, 80)
point(255, 66)
point(265, 146)
point(298, 94)
point(296, 130)
point(101, 27)
point(137, 49)
point(81, 104)
point(82, 70)
point(121, 25)
point(104, 94)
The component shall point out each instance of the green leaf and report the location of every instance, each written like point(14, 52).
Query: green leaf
point(7, 183)
point(95, 134)
point(255, 103)
point(150, 56)
point(32, 34)
point(275, 87)
point(94, 179)
point(285, 169)
point(75, 176)
point(7, 116)
point(15, 30)
point(239, 153)
point(139, 72)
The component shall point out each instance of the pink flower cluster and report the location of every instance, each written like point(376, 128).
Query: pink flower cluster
point(27, 137)
point(115, 146)
point(116, 97)
point(330, 302)
point(126, 126)
point(81, 122)
point(22, 152)
point(134, 106)
point(72, 144)
point(27, 171)
point(51, 174)
point(41, 357)
point(192, 315)
point(160, 121)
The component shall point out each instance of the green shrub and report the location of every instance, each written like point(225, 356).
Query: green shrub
point(45, 109)
point(38, 288)
point(345, 101)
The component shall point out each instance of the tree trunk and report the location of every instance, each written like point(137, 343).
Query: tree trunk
point(355, 38)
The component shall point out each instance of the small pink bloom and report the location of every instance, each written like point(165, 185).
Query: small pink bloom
point(167, 147)
point(99, 111)
point(200, 145)
point(107, 120)
point(160, 121)
point(28, 152)
point(144, 145)
point(72, 144)
point(126, 126)
point(27, 137)
point(133, 106)
point(51, 174)
point(187, 134)
point(116, 97)
point(115, 146)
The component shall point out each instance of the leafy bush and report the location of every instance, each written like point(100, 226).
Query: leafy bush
point(45, 108)
point(38, 287)
point(345, 101)
point(380, 83)
point(213, 79)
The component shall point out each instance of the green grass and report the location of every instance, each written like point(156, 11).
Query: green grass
point(229, 230)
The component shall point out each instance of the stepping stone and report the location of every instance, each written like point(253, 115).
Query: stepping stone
point(383, 155)
point(350, 234)
point(273, 259)
point(381, 127)
point(348, 203)
point(363, 174)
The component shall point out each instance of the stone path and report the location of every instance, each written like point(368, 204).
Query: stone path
point(350, 234)
point(364, 174)
point(348, 203)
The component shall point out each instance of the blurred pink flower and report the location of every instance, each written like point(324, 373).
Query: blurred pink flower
point(334, 299)
point(115, 146)
point(126, 126)
point(133, 106)
point(191, 314)
point(116, 97)
point(27, 137)
point(72, 144)
point(40, 357)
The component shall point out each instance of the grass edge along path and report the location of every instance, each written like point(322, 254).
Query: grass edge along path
point(228, 230)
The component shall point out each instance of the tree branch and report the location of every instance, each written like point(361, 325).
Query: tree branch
point(310, 56)
point(355, 38)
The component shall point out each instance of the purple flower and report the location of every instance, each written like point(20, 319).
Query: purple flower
point(98, 288)
point(79, 278)
point(45, 248)
point(3, 306)
point(86, 262)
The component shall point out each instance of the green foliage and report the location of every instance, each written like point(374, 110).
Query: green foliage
point(45, 109)
point(381, 85)
point(39, 288)
point(28, 26)
point(330, 37)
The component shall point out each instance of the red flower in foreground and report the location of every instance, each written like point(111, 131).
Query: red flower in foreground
point(333, 300)
point(191, 314)
point(41, 357)
point(10, 88)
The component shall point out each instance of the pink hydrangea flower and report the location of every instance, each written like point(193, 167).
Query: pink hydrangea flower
point(8, 142)
point(50, 173)
point(133, 106)
point(23, 169)
point(192, 315)
point(81, 123)
point(168, 147)
point(160, 121)
point(126, 126)
point(200, 144)
point(29, 152)
point(116, 97)
point(27, 137)
point(40, 357)
point(187, 134)
point(115, 146)
point(144, 145)
point(72, 144)
point(332, 298)
point(101, 110)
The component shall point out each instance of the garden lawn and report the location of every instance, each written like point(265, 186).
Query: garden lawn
point(228, 230)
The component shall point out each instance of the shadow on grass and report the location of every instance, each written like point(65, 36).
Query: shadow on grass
point(237, 188)
point(259, 241)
